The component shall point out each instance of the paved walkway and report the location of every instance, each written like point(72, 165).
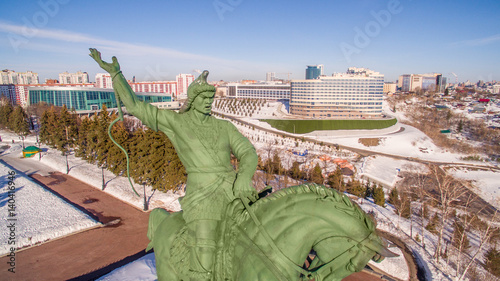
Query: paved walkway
point(82, 253)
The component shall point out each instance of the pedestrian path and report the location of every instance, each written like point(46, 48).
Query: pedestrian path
point(122, 235)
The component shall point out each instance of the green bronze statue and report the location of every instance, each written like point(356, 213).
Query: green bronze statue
point(217, 235)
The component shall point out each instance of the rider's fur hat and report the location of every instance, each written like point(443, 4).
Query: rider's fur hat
point(198, 86)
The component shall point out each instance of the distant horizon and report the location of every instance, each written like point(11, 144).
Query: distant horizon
point(449, 81)
point(243, 40)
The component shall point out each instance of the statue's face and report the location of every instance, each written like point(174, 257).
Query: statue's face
point(203, 102)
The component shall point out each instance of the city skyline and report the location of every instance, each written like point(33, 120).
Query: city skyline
point(237, 39)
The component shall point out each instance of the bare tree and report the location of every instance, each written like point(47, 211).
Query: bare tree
point(446, 190)
point(484, 230)
point(416, 179)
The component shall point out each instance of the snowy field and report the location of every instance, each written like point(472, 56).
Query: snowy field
point(38, 214)
point(486, 182)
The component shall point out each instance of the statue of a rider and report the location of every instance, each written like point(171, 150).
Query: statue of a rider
point(204, 145)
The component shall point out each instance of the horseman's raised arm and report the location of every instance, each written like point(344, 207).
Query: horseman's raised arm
point(144, 111)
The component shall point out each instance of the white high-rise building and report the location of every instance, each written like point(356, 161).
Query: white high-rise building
point(270, 76)
point(355, 94)
point(103, 80)
point(73, 78)
point(183, 81)
point(12, 77)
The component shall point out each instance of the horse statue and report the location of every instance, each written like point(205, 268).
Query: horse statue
point(272, 238)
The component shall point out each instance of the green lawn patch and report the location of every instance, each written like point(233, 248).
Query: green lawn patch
point(307, 126)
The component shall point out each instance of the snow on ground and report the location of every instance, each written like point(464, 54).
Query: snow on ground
point(396, 266)
point(486, 182)
point(383, 170)
point(143, 269)
point(117, 186)
point(36, 215)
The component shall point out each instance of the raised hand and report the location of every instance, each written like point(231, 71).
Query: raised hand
point(111, 68)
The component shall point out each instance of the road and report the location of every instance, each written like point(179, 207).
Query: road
point(364, 152)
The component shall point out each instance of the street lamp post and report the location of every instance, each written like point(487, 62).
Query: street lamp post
point(145, 200)
point(103, 181)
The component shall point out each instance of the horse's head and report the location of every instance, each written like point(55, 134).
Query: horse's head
point(311, 216)
point(338, 257)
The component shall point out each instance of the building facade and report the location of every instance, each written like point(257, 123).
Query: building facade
point(267, 91)
point(73, 78)
point(12, 77)
point(426, 82)
point(84, 99)
point(8, 91)
point(314, 71)
point(357, 93)
point(165, 87)
point(103, 81)
point(270, 76)
point(183, 81)
point(390, 87)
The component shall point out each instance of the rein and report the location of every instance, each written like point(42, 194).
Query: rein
point(120, 118)
point(286, 262)
point(281, 258)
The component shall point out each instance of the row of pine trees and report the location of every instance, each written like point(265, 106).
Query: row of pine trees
point(153, 160)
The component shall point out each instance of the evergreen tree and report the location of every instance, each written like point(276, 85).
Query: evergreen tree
point(81, 141)
point(369, 190)
point(355, 188)
point(460, 126)
point(379, 196)
point(50, 129)
point(316, 175)
point(492, 261)
point(276, 164)
point(336, 180)
point(19, 123)
point(393, 197)
point(295, 172)
point(433, 224)
point(6, 110)
point(103, 141)
point(67, 123)
point(117, 159)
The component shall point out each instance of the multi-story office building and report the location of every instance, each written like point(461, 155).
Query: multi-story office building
point(103, 81)
point(426, 82)
point(267, 91)
point(183, 81)
point(82, 99)
point(354, 94)
point(314, 71)
point(73, 78)
point(12, 77)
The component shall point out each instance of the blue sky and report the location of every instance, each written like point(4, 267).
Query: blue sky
point(244, 39)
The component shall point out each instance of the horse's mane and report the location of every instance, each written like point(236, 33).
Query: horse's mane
point(323, 192)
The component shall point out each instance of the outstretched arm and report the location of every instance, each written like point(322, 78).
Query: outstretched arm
point(120, 85)
point(145, 112)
